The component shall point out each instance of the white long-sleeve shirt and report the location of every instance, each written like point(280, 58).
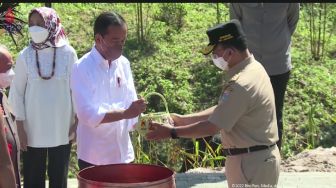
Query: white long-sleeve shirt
point(44, 106)
point(97, 89)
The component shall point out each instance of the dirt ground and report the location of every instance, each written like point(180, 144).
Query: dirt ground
point(316, 160)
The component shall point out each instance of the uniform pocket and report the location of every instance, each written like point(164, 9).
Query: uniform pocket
point(260, 168)
point(270, 169)
point(270, 159)
point(248, 167)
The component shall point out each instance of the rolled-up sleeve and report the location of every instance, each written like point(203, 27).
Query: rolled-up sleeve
point(88, 113)
point(18, 88)
point(233, 105)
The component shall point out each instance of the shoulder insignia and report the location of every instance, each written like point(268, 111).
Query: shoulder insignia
point(227, 89)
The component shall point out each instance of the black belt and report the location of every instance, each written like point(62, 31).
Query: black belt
point(237, 151)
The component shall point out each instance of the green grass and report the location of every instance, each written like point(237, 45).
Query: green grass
point(168, 61)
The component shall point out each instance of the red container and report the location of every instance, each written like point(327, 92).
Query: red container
point(126, 175)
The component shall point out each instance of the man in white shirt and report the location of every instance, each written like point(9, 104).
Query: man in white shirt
point(104, 96)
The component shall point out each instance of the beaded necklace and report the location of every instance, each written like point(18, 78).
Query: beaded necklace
point(38, 66)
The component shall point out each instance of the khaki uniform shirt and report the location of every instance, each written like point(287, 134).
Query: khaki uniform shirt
point(246, 109)
point(11, 136)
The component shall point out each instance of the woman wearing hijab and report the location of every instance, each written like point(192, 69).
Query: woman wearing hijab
point(40, 98)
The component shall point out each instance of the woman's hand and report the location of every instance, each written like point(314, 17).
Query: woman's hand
point(22, 135)
point(72, 131)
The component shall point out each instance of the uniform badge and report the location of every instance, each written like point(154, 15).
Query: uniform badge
point(226, 93)
point(227, 89)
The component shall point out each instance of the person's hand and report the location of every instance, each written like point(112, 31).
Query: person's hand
point(72, 131)
point(159, 131)
point(22, 136)
point(177, 119)
point(2, 119)
point(136, 108)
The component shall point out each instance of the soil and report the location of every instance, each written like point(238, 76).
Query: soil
point(316, 160)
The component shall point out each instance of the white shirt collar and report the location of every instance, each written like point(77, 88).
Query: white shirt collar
point(100, 59)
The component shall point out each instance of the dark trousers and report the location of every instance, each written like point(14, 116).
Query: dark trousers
point(35, 163)
point(279, 84)
point(83, 164)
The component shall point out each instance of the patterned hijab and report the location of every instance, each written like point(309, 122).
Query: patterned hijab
point(57, 37)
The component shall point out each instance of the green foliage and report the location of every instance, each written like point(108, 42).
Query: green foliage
point(168, 61)
point(211, 157)
point(320, 19)
point(309, 104)
point(165, 153)
point(172, 14)
point(73, 167)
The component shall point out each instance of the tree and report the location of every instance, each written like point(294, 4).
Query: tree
point(140, 35)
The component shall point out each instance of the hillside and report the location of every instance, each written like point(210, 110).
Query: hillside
point(165, 58)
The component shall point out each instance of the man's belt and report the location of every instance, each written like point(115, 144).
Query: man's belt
point(237, 151)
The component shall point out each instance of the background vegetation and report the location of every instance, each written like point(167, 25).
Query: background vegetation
point(163, 46)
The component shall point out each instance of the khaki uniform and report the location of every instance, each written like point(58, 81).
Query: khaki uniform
point(246, 114)
point(11, 136)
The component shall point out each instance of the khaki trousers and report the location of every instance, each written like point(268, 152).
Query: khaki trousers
point(255, 169)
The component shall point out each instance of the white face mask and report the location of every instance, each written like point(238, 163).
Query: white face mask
point(221, 63)
point(6, 78)
point(38, 34)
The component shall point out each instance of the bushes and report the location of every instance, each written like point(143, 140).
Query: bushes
point(172, 14)
point(168, 61)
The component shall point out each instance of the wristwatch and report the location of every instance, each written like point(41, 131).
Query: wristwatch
point(173, 133)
